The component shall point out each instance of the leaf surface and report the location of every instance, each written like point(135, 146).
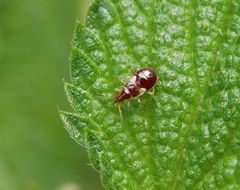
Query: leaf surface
point(185, 136)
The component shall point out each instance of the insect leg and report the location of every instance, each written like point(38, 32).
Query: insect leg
point(120, 112)
point(151, 92)
point(118, 90)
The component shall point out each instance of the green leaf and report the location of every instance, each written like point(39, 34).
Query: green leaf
point(185, 136)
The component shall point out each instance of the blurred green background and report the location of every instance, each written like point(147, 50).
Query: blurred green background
point(36, 153)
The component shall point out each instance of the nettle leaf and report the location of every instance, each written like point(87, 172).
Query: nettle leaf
point(185, 136)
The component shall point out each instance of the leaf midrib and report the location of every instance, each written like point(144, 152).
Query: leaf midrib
point(148, 159)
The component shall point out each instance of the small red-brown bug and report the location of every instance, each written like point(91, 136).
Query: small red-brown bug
point(141, 81)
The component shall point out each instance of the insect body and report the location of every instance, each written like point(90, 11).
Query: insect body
point(142, 81)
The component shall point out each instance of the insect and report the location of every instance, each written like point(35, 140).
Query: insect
point(141, 82)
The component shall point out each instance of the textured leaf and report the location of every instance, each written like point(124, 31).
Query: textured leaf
point(185, 136)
